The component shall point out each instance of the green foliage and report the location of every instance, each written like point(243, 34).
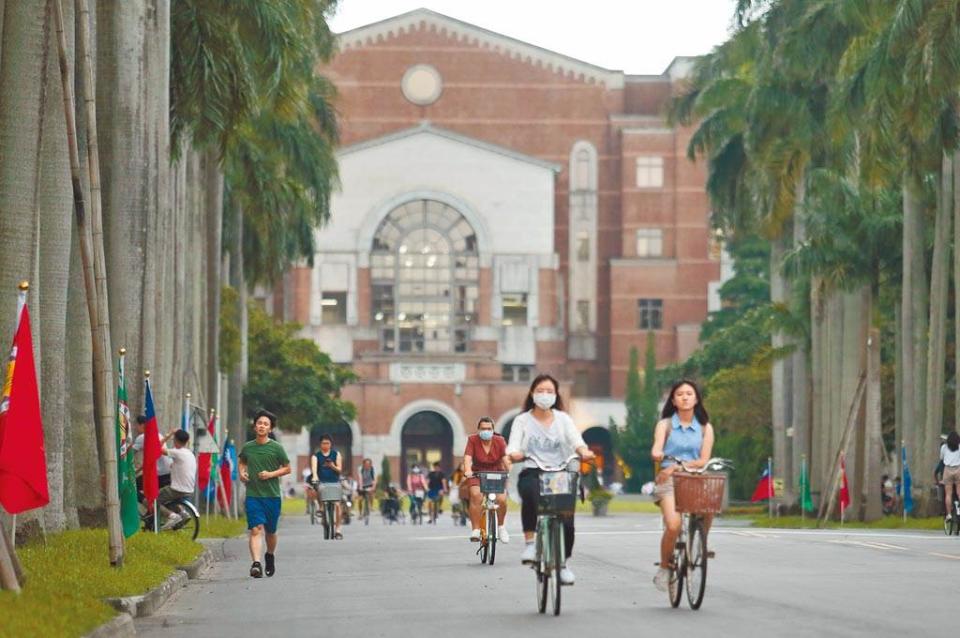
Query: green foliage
point(292, 378)
point(230, 345)
point(68, 577)
point(632, 442)
point(739, 403)
point(383, 481)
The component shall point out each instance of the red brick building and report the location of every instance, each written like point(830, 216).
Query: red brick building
point(504, 210)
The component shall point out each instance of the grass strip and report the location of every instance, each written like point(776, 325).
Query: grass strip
point(69, 576)
point(887, 522)
point(218, 526)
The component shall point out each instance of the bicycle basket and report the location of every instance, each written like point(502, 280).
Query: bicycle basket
point(558, 492)
point(699, 493)
point(492, 482)
point(330, 491)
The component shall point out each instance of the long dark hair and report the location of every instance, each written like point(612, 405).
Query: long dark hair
point(528, 403)
point(699, 411)
point(953, 441)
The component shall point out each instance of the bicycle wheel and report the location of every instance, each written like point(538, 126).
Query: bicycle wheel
point(675, 587)
point(696, 564)
point(328, 520)
point(540, 567)
point(492, 534)
point(947, 526)
point(189, 525)
point(312, 508)
point(558, 560)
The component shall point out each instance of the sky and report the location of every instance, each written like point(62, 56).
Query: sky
point(636, 36)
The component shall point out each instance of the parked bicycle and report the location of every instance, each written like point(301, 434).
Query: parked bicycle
point(699, 495)
point(491, 484)
point(559, 488)
point(188, 525)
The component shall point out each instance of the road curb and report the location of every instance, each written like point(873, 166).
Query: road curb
point(146, 604)
point(118, 627)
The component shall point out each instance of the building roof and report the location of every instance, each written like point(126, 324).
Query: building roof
point(425, 19)
point(426, 128)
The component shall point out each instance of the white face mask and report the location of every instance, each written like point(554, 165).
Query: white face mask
point(544, 400)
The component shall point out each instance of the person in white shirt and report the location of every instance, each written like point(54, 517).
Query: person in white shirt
point(950, 455)
point(545, 433)
point(163, 463)
point(183, 474)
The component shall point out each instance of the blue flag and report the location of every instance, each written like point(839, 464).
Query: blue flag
point(230, 459)
point(907, 496)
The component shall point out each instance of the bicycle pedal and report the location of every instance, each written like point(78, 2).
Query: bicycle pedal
point(711, 554)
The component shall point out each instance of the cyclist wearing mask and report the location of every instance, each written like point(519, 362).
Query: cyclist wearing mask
point(545, 433)
point(684, 432)
point(486, 451)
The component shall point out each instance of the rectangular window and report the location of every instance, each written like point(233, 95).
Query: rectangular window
point(650, 314)
point(513, 373)
point(514, 309)
point(334, 308)
point(583, 315)
point(650, 172)
point(649, 242)
point(581, 383)
point(583, 246)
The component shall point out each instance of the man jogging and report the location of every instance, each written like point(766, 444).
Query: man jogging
point(262, 462)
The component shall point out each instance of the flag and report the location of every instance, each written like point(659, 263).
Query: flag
point(211, 475)
point(126, 477)
point(844, 490)
point(23, 464)
point(806, 502)
point(906, 481)
point(204, 465)
point(151, 449)
point(185, 419)
point(764, 489)
point(228, 472)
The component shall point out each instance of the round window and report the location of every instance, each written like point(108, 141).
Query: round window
point(422, 84)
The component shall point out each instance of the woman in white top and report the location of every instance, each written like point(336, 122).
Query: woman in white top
point(545, 433)
point(950, 455)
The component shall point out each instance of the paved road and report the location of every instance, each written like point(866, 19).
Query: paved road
point(425, 581)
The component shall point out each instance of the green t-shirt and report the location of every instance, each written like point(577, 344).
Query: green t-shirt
point(269, 456)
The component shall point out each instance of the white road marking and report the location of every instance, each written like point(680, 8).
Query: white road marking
point(950, 556)
point(871, 545)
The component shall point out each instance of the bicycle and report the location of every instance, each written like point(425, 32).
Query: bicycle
point(330, 494)
point(491, 484)
point(366, 500)
point(698, 492)
point(188, 525)
point(312, 510)
point(951, 526)
point(416, 507)
point(559, 487)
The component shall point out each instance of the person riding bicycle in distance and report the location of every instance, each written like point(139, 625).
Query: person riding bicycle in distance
point(545, 433)
point(327, 466)
point(683, 432)
point(486, 451)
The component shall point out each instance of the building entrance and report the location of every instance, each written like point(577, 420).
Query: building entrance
point(426, 438)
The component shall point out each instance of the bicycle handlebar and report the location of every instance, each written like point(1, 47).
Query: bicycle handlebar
point(561, 468)
point(714, 464)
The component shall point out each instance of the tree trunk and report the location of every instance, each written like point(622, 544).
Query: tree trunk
point(956, 286)
point(779, 294)
point(873, 448)
point(213, 191)
point(928, 444)
point(908, 318)
point(55, 199)
point(817, 385)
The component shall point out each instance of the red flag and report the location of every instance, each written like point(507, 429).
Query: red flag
point(764, 489)
point(225, 483)
point(844, 491)
point(151, 450)
point(23, 465)
point(204, 461)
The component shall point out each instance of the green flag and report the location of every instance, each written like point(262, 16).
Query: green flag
point(126, 477)
point(805, 501)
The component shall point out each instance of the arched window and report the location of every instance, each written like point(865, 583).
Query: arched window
point(423, 267)
point(583, 167)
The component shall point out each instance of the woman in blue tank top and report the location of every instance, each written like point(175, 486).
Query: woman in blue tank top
point(684, 432)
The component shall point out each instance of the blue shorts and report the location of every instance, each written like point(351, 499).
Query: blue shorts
point(434, 495)
point(263, 510)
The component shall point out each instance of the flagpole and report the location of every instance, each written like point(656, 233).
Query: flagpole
point(21, 304)
point(903, 481)
point(803, 474)
point(843, 470)
point(770, 486)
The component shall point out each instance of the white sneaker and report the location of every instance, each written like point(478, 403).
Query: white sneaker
point(529, 553)
point(502, 535)
point(661, 579)
point(566, 576)
point(172, 521)
point(475, 535)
